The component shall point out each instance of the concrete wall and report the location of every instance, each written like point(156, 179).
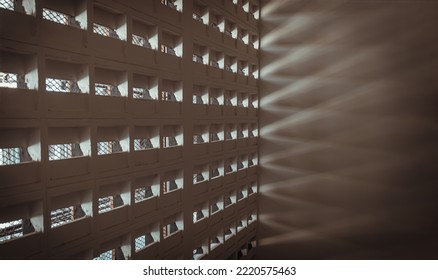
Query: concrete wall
point(349, 131)
point(35, 118)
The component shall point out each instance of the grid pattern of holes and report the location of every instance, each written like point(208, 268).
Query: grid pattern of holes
point(60, 18)
point(108, 255)
point(109, 147)
point(64, 151)
point(143, 241)
point(10, 156)
point(106, 90)
point(11, 230)
point(7, 4)
point(61, 216)
point(140, 41)
point(60, 85)
point(66, 215)
point(141, 93)
point(105, 31)
point(198, 58)
point(198, 177)
point(142, 144)
point(198, 139)
point(143, 193)
point(12, 80)
point(49, 156)
point(169, 141)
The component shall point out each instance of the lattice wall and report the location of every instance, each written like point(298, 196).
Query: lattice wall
point(114, 144)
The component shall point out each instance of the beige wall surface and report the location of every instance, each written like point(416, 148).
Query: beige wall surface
point(348, 130)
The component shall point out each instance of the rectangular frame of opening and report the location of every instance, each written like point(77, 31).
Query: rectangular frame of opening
point(172, 181)
point(146, 188)
point(112, 140)
point(18, 70)
point(113, 196)
point(70, 13)
point(109, 23)
point(171, 43)
point(19, 220)
point(144, 34)
point(110, 82)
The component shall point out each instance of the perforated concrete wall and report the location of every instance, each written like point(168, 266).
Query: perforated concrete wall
point(129, 129)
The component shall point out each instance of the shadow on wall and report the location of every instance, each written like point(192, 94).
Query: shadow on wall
point(349, 129)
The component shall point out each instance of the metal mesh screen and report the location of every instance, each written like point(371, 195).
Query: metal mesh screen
point(141, 93)
point(108, 203)
point(108, 147)
point(66, 215)
point(197, 215)
point(169, 186)
point(168, 96)
point(143, 193)
point(198, 58)
point(140, 41)
point(214, 63)
point(197, 99)
point(11, 230)
point(198, 139)
point(169, 141)
point(198, 18)
point(61, 216)
point(7, 4)
point(172, 228)
point(60, 18)
point(142, 144)
point(10, 156)
point(198, 177)
point(169, 3)
point(105, 204)
point(106, 90)
point(64, 151)
point(12, 80)
point(142, 241)
point(108, 255)
point(168, 50)
point(16, 228)
point(105, 31)
point(60, 85)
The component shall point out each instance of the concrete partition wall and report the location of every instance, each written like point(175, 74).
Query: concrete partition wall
point(97, 126)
